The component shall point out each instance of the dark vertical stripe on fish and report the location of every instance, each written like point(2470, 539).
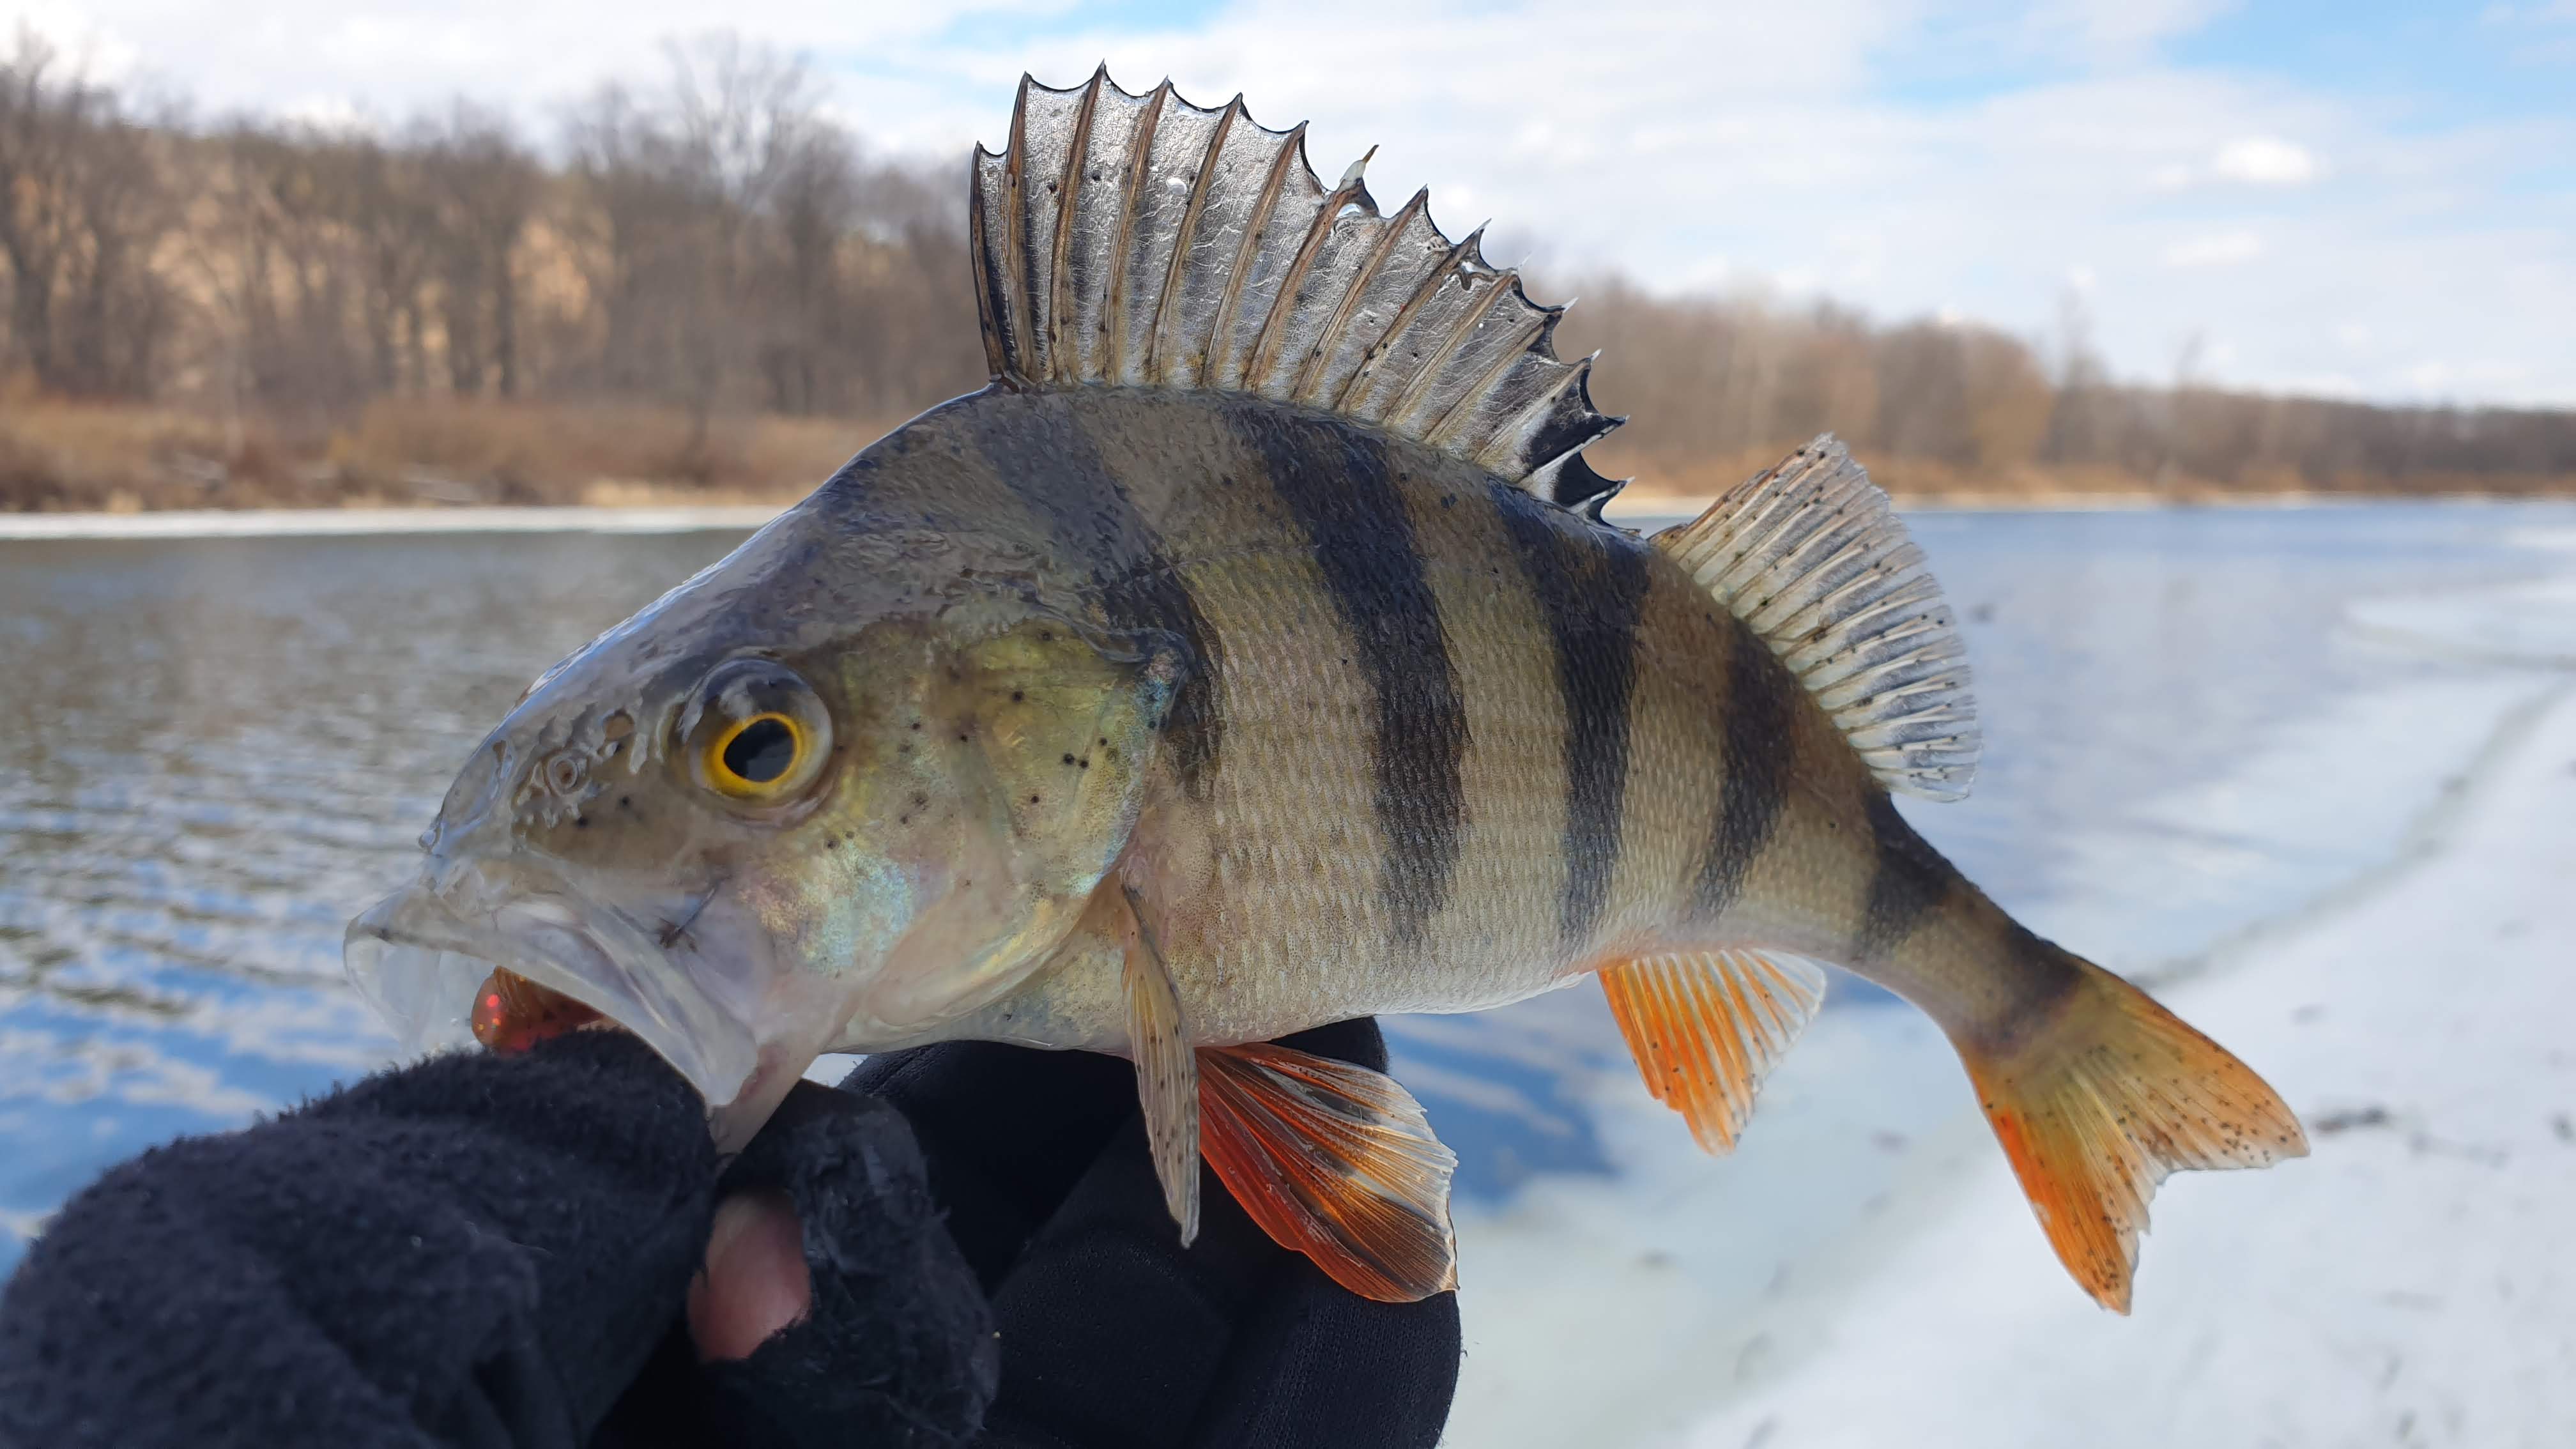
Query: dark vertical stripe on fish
point(1336, 481)
point(1755, 735)
point(1592, 591)
point(1042, 454)
point(1910, 880)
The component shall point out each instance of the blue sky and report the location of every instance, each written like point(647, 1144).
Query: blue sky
point(2366, 199)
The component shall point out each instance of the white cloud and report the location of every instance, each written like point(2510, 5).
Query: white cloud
point(2265, 161)
point(78, 40)
point(2222, 249)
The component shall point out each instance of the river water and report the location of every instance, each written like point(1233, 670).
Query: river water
point(214, 750)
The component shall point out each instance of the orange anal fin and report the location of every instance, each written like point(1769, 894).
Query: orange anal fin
point(1334, 1161)
point(1706, 1026)
point(2103, 1100)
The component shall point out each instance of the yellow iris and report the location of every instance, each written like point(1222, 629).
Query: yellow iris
point(755, 758)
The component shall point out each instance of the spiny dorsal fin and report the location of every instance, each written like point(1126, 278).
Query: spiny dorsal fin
point(1141, 241)
point(1811, 556)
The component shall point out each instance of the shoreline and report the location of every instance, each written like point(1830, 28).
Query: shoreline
point(657, 518)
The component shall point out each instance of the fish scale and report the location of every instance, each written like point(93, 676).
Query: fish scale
point(1251, 655)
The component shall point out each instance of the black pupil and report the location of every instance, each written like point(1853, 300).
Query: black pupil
point(761, 752)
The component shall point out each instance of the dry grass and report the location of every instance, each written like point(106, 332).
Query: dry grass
point(60, 456)
point(1667, 485)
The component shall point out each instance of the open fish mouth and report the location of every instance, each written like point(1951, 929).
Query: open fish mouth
point(421, 957)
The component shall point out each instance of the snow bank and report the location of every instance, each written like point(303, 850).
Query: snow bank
point(2413, 1282)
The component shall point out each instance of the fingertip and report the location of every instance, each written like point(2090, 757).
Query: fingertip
point(755, 1283)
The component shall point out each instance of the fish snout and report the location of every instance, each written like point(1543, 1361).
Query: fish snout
point(423, 955)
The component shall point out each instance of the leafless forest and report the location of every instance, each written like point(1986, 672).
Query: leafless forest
point(703, 285)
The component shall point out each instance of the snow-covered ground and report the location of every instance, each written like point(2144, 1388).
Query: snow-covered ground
point(2413, 1282)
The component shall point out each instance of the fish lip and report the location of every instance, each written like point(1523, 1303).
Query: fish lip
point(419, 955)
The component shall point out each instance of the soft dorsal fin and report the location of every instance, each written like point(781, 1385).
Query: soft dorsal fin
point(1811, 556)
point(1141, 241)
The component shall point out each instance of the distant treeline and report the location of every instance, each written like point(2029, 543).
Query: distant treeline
point(1962, 406)
point(712, 242)
point(713, 247)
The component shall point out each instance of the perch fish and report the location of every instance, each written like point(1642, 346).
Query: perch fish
point(1251, 654)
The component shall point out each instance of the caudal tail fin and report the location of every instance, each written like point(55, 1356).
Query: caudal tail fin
point(2102, 1101)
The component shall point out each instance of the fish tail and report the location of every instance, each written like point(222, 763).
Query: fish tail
point(2098, 1096)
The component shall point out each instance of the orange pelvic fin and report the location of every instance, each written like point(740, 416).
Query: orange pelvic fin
point(2108, 1095)
point(1706, 1026)
point(1334, 1161)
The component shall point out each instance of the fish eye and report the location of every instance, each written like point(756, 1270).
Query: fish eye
point(759, 750)
point(758, 734)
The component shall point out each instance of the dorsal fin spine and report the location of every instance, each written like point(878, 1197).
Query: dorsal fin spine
point(1265, 348)
point(979, 229)
point(1247, 252)
point(1330, 340)
point(1063, 347)
point(1140, 154)
point(1016, 171)
point(1540, 404)
point(1532, 332)
point(1157, 367)
point(1428, 372)
point(1422, 294)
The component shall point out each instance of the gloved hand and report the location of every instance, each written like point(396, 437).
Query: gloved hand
point(1111, 1333)
point(488, 1250)
point(480, 1251)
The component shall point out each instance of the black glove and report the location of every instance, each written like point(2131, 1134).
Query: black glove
point(1113, 1336)
point(491, 1250)
point(484, 1251)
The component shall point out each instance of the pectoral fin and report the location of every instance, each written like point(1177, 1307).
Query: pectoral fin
point(1167, 1073)
point(1335, 1161)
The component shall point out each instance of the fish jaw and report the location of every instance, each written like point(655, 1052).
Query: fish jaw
point(740, 1018)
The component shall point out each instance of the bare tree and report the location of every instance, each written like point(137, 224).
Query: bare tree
point(483, 187)
point(82, 208)
point(382, 197)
